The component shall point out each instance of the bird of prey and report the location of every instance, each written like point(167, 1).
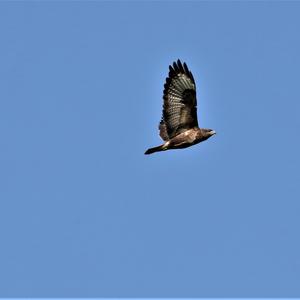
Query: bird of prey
point(179, 125)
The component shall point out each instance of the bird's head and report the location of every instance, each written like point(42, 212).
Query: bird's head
point(208, 132)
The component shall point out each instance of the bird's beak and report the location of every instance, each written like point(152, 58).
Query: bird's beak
point(213, 132)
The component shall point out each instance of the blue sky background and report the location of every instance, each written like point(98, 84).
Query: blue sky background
point(83, 213)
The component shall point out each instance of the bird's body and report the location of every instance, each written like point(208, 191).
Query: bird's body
point(179, 125)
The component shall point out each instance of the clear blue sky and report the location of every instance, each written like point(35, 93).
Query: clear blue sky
point(84, 213)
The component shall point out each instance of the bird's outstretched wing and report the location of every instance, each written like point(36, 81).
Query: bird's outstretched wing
point(180, 104)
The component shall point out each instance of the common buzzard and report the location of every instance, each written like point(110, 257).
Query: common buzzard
point(179, 125)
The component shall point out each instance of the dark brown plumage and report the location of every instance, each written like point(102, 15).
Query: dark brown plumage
point(179, 125)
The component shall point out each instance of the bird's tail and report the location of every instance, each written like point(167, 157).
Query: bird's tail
point(156, 149)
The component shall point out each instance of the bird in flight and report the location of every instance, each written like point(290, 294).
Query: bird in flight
point(179, 125)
